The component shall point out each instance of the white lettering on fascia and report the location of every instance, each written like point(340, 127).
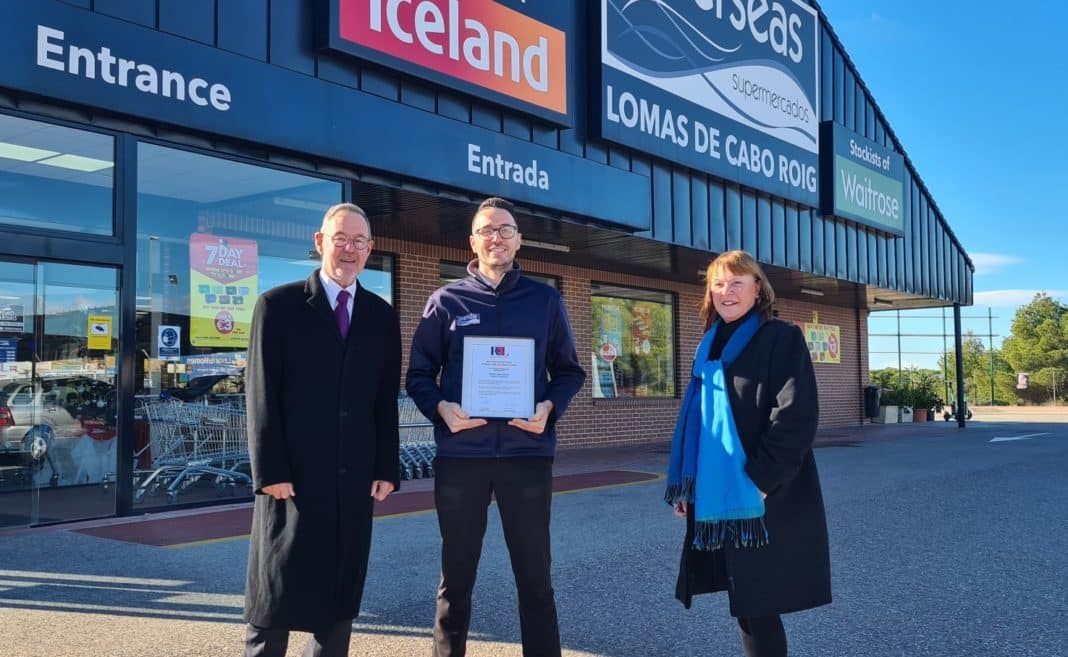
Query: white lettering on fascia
point(865, 154)
point(865, 196)
point(496, 166)
point(53, 53)
point(766, 22)
point(438, 32)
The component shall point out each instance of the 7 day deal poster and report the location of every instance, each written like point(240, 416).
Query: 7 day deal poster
point(222, 290)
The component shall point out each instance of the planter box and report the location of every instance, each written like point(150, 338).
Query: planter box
point(887, 415)
point(906, 414)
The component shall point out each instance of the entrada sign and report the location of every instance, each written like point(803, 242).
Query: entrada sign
point(485, 46)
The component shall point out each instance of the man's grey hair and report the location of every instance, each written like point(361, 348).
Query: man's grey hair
point(344, 207)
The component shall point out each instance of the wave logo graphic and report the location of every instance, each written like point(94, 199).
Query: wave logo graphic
point(760, 70)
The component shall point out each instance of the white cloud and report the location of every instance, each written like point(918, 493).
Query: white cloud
point(989, 263)
point(1013, 298)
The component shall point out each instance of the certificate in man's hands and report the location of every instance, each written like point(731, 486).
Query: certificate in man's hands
point(498, 377)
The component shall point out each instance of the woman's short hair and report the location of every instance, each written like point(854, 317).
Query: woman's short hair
point(738, 263)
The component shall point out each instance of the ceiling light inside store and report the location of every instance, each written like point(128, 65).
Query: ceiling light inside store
point(534, 244)
point(23, 153)
point(300, 203)
point(77, 163)
point(882, 302)
point(813, 291)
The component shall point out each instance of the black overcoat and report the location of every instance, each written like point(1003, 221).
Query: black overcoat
point(322, 414)
point(775, 405)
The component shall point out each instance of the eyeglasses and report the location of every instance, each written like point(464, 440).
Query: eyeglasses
point(506, 232)
point(340, 240)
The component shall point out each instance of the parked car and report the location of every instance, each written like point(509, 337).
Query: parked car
point(62, 404)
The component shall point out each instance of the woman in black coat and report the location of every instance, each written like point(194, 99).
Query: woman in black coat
point(771, 387)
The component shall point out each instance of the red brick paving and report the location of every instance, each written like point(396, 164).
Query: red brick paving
point(216, 525)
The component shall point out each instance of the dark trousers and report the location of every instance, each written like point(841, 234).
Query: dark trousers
point(523, 488)
point(269, 642)
point(763, 637)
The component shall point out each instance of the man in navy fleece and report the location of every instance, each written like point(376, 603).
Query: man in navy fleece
point(510, 459)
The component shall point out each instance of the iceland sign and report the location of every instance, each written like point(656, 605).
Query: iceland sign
point(730, 87)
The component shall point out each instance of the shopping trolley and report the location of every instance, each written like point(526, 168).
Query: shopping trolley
point(189, 441)
point(417, 449)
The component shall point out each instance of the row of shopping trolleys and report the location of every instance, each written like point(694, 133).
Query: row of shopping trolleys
point(192, 442)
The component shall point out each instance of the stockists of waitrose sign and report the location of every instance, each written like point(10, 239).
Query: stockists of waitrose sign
point(513, 56)
point(861, 180)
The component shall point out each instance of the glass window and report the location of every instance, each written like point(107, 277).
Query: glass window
point(377, 275)
point(212, 235)
point(451, 272)
point(56, 178)
point(633, 338)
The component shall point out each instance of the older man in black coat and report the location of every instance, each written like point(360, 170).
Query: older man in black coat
point(322, 382)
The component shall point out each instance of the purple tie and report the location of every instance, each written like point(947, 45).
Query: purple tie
point(342, 313)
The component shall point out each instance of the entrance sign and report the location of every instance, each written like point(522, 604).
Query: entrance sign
point(317, 116)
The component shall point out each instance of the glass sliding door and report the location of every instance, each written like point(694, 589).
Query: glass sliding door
point(212, 235)
point(58, 346)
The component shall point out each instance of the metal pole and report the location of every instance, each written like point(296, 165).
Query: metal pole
point(958, 406)
point(900, 380)
point(990, 325)
point(945, 359)
point(1054, 387)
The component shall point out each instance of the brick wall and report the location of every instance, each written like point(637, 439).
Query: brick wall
point(634, 420)
point(840, 385)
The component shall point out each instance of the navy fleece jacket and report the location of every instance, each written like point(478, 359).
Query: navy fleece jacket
point(518, 308)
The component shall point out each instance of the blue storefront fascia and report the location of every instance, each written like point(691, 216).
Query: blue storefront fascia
point(269, 105)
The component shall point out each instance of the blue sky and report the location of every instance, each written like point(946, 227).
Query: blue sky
point(973, 94)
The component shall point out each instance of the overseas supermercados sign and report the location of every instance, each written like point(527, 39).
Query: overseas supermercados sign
point(730, 87)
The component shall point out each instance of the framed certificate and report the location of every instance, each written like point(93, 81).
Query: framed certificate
point(498, 377)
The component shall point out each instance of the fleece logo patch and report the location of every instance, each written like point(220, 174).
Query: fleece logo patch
point(473, 319)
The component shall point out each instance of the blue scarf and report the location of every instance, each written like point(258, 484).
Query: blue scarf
point(707, 467)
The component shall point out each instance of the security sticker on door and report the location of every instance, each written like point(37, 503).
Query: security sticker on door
point(99, 332)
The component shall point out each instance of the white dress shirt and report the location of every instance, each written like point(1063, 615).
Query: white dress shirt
point(332, 288)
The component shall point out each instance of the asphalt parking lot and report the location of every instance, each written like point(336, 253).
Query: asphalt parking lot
point(944, 542)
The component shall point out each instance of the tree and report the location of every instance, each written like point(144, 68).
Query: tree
point(1039, 346)
point(976, 363)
